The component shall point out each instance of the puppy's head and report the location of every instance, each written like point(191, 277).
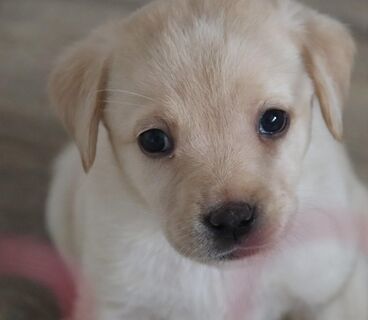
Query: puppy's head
point(208, 106)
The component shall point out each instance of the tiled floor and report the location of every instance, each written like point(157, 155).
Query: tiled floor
point(33, 32)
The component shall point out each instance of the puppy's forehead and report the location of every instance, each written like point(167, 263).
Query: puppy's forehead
point(213, 58)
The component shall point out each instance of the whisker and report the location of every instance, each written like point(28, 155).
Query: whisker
point(127, 92)
point(122, 103)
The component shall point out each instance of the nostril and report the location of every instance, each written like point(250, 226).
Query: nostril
point(231, 218)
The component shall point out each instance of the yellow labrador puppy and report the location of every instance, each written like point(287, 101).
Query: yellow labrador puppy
point(215, 185)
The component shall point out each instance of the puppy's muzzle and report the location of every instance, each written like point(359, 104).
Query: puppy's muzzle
point(230, 222)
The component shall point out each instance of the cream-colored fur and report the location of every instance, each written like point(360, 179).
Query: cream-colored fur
point(205, 70)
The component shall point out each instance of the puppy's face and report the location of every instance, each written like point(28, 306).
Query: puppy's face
point(212, 135)
point(209, 116)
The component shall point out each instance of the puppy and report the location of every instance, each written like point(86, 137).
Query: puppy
point(215, 185)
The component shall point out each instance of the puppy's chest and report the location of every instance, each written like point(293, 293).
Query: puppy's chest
point(168, 287)
point(170, 291)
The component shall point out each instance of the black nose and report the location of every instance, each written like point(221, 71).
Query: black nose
point(232, 220)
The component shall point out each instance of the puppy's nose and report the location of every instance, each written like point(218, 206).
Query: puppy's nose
point(231, 220)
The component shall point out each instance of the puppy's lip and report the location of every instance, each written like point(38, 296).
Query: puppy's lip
point(242, 252)
point(256, 244)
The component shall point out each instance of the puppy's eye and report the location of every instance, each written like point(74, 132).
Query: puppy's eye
point(273, 121)
point(155, 142)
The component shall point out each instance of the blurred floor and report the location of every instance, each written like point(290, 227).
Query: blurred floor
point(33, 32)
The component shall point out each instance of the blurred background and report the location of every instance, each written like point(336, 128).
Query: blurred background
point(33, 33)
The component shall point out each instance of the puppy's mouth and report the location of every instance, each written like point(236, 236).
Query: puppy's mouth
point(235, 234)
point(234, 231)
point(260, 242)
point(243, 252)
point(209, 248)
point(239, 252)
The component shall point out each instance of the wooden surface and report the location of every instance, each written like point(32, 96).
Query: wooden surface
point(33, 32)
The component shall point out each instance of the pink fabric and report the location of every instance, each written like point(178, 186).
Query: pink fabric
point(35, 260)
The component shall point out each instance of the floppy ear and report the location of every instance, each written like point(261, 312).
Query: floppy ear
point(76, 90)
point(328, 50)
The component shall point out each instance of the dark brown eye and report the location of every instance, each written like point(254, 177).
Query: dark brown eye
point(273, 121)
point(155, 142)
